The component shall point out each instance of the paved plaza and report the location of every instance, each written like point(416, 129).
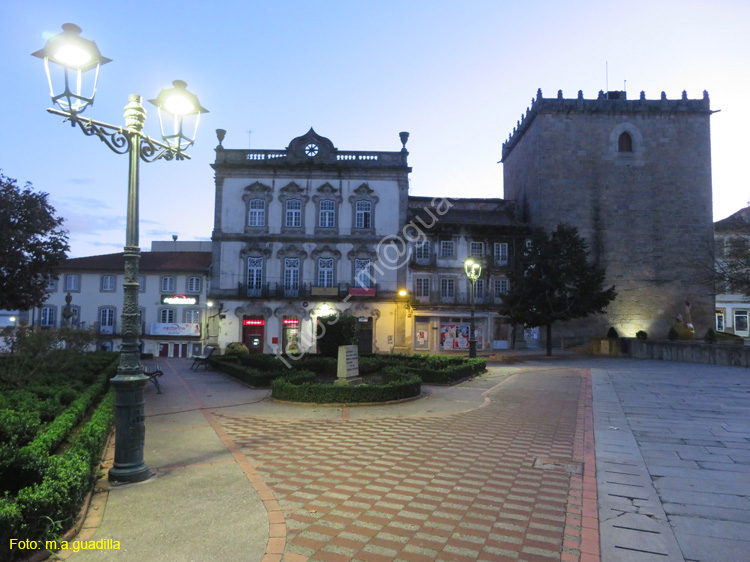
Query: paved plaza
point(498, 468)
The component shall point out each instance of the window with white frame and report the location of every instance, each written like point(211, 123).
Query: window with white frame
point(422, 286)
point(325, 272)
point(476, 249)
point(109, 283)
point(291, 276)
point(447, 288)
point(256, 213)
point(166, 315)
point(47, 316)
point(362, 275)
point(194, 285)
point(501, 253)
point(254, 277)
point(167, 284)
point(479, 289)
point(193, 316)
point(293, 213)
point(447, 248)
point(51, 285)
point(107, 320)
point(502, 286)
point(363, 214)
point(72, 282)
point(422, 250)
point(327, 216)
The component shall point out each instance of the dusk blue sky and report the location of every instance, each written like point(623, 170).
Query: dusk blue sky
point(457, 76)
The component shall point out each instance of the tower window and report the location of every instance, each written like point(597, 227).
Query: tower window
point(625, 143)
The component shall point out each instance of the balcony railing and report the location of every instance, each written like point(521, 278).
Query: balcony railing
point(304, 290)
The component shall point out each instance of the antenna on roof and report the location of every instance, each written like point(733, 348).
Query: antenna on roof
point(249, 133)
point(606, 77)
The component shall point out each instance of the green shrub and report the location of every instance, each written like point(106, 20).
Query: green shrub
point(237, 349)
point(334, 331)
point(303, 388)
point(249, 375)
point(641, 335)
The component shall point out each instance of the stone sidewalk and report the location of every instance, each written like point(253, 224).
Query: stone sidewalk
point(673, 461)
point(498, 468)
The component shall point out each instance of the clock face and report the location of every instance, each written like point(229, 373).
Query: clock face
point(311, 149)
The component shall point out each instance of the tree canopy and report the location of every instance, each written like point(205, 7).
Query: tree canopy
point(556, 282)
point(32, 244)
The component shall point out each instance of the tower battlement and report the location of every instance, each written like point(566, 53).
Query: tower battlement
point(606, 103)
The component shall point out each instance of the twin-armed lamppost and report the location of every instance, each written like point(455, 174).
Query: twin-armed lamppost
point(72, 65)
point(473, 271)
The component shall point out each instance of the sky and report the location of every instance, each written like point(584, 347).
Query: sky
point(456, 76)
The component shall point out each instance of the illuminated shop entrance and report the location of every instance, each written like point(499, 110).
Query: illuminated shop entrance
point(253, 329)
point(290, 334)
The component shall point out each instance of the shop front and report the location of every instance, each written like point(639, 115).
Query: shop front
point(253, 330)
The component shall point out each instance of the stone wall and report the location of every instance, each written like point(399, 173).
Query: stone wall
point(646, 214)
point(684, 352)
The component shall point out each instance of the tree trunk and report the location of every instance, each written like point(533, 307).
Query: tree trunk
point(549, 340)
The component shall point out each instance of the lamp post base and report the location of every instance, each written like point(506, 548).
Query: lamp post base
point(130, 430)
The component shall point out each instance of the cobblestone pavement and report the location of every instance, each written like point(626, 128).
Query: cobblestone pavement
point(501, 482)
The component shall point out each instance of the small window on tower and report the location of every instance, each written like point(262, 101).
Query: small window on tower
point(625, 143)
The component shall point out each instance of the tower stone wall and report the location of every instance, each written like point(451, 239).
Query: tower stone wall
point(634, 176)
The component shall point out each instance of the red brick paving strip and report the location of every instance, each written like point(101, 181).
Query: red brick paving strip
point(453, 488)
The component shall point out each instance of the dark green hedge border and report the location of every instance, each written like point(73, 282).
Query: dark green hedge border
point(301, 387)
point(64, 479)
point(260, 370)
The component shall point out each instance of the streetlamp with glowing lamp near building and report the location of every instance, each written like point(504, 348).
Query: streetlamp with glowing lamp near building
point(72, 66)
point(473, 271)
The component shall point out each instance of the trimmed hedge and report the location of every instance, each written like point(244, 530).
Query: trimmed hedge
point(397, 385)
point(65, 481)
point(252, 376)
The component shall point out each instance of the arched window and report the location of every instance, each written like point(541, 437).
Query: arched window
point(625, 142)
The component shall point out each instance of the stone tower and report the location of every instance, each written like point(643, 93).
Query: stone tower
point(634, 176)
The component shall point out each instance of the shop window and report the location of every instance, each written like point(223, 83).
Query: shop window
point(719, 320)
point(741, 323)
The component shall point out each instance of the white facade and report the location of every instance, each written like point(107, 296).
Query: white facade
point(301, 231)
point(173, 287)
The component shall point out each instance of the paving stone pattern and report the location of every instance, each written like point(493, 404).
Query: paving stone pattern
point(454, 488)
point(692, 427)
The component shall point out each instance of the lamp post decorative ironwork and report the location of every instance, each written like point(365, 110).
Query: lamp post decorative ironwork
point(473, 271)
point(77, 60)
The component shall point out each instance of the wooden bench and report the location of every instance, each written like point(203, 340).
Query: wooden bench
point(153, 375)
point(199, 360)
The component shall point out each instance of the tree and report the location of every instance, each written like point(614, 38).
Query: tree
point(556, 282)
point(32, 244)
point(335, 330)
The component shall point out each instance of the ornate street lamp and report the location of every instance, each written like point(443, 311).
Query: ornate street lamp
point(473, 271)
point(76, 61)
